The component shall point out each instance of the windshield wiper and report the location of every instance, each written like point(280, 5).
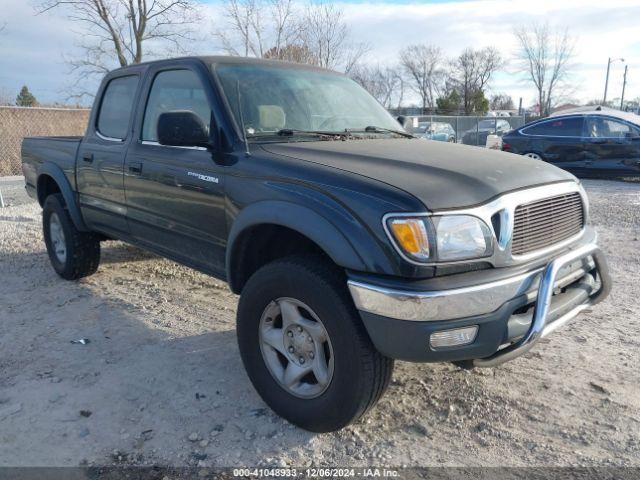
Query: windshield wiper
point(289, 132)
point(374, 129)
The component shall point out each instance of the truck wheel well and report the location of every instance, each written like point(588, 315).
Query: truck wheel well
point(261, 244)
point(46, 186)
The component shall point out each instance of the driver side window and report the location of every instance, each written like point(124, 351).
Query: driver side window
point(174, 90)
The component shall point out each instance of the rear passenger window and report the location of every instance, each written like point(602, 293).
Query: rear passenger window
point(174, 90)
point(561, 127)
point(115, 109)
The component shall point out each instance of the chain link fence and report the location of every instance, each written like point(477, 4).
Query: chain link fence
point(19, 122)
point(469, 130)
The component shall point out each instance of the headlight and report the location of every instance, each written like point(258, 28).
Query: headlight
point(445, 238)
point(462, 237)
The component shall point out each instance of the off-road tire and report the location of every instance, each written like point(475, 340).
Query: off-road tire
point(360, 375)
point(82, 248)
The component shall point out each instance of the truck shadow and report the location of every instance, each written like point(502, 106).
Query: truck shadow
point(119, 252)
point(145, 382)
point(161, 381)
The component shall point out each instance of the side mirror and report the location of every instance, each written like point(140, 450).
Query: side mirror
point(182, 129)
point(404, 121)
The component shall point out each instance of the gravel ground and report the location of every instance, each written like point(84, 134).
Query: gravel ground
point(161, 381)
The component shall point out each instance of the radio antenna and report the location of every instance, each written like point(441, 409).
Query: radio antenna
point(244, 130)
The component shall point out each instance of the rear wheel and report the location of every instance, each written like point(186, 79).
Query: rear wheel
point(73, 254)
point(304, 346)
point(533, 155)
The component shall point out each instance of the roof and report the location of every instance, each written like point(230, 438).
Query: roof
point(565, 106)
point(599, 110)
point(235, 60)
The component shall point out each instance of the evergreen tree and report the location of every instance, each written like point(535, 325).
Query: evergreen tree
point(25, 98)
point(449, 104)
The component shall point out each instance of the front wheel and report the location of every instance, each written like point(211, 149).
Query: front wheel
point(304, 346)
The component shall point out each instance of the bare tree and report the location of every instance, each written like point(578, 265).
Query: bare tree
point(278, 29)
point(286, 27)
point(243, 18)
point(261, 28)
point(326, 34)
point(423, 65)
point(121, 32)
point(501, 101)
point(6, 97)
point(470, 73)
point(384, 83)
point(400, 89)
point(545, 57)
point(291, 53)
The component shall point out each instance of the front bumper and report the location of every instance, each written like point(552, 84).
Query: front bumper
point(511, 313)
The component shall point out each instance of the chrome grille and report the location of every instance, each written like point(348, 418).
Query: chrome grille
point(543, 223)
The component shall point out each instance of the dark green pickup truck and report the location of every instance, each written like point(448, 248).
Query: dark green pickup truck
point(350, 242)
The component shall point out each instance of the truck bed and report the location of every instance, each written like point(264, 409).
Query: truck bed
point(59, 150)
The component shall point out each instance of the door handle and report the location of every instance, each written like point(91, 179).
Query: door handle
point(135, 167)
point(599, 141)
point(88, 157)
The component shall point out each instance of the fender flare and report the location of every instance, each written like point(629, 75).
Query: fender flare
point(303, 220)
point(57, 174)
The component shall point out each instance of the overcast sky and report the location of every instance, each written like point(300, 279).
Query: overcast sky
point(33, 47)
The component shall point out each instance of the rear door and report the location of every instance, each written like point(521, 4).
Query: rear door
point(175, 195)
point(612, 146)
point(100, 160)
point(559, 141)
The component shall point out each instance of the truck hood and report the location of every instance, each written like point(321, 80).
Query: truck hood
point(441, 175)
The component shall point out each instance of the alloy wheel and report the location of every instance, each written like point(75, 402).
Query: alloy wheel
point(296, 348)
point(58, 242)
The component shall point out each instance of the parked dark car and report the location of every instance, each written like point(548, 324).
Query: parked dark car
point(439, 131)
point(598, 142)
point(346, 254)
point(490, 126)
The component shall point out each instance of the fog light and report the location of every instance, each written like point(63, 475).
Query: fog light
point(454, 337)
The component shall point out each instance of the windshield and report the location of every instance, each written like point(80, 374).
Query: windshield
point(424, 128)
point(276, 98)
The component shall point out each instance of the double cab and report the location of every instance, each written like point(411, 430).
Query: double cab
point(350, 242)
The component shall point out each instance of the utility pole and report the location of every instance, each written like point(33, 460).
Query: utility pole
point(624, 84)
point(520, 107)
point(606, 82)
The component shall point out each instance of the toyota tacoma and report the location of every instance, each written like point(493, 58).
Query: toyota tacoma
point(350, 243)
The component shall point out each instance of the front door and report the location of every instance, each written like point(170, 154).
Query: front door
point(563, 144)
point(612, 146)
point(175, 195)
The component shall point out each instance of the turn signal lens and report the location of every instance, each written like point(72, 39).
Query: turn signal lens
point(410, 235)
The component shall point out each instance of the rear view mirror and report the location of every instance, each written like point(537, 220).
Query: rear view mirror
point(182, 129)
